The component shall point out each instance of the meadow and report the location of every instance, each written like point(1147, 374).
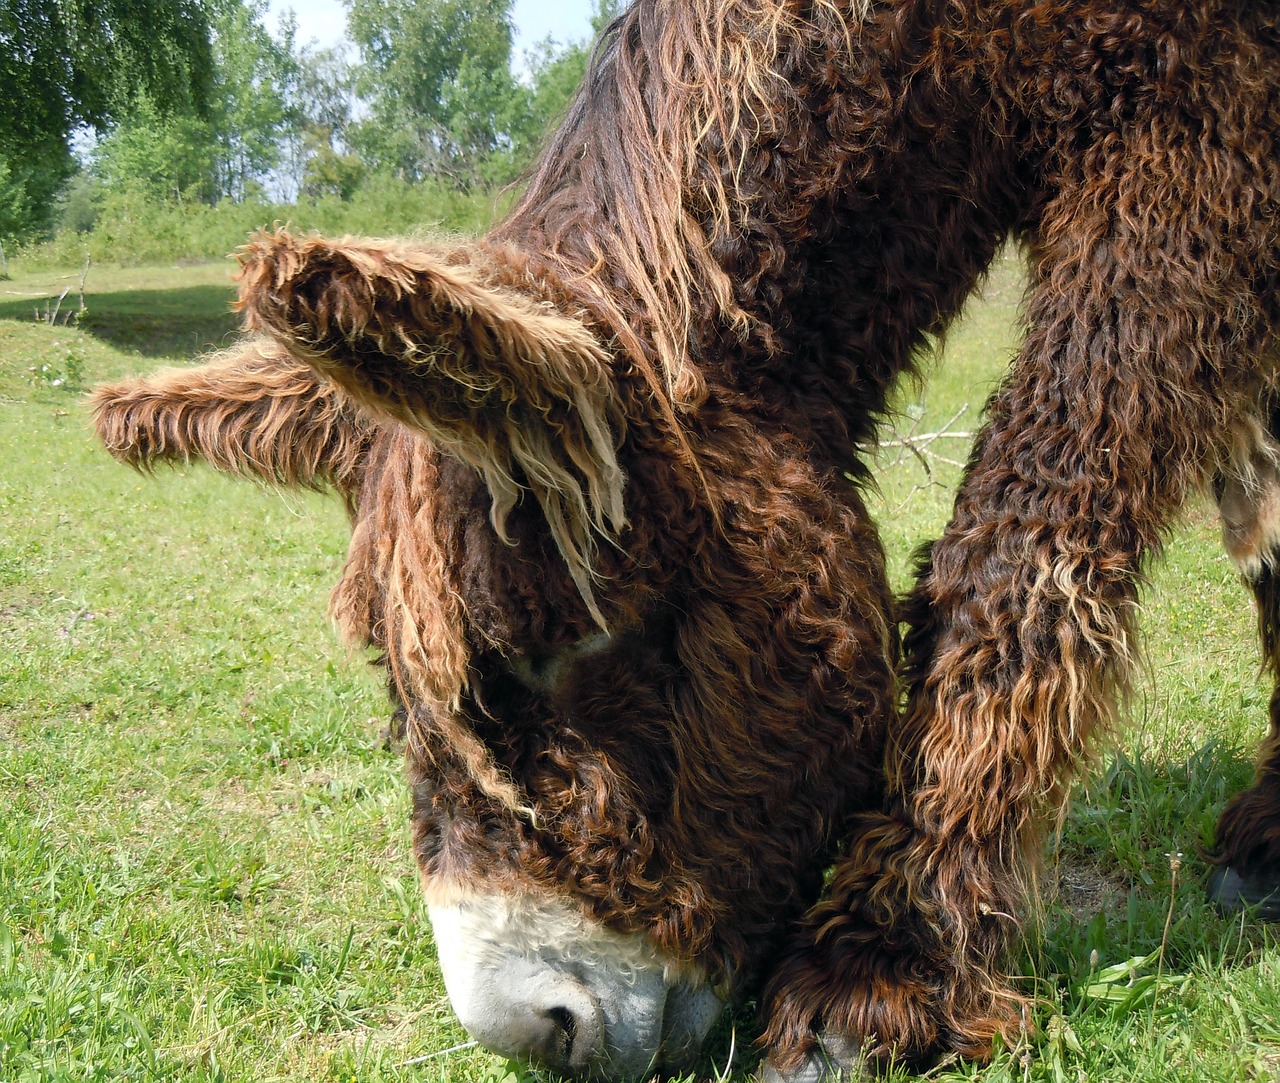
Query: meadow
point(204, 862)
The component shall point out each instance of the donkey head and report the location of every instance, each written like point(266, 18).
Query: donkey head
point(642, 691)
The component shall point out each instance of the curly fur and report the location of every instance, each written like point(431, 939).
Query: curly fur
point(754, 217)
point(749, 649)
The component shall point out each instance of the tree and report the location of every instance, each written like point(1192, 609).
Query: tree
point(165, 157)
point(555, 73)
point(329, 172)
point(250, 114)
point(437, 77)
point(69, 63)
point(231, 151)
point(316, 150)
point(15, 211)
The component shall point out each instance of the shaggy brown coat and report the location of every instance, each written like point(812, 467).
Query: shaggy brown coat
point(759, 209)
point(684, 774)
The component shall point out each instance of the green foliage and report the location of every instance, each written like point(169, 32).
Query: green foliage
point(316, 159)
point(249, 114)
point(80, 203)
point(442, 98)
point(64, 367)
point(229, 151)
point(69, 62)
point(556, 74)
point(30, 179)
point(17, 206)
point(157, 156)
point(440, 107)
point(328, 172)
point(65, 63)
point(437, 75)
point(132, 228)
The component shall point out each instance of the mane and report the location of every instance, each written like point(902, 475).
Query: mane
point(642, 183)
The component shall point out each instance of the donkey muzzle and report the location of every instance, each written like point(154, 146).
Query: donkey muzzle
point(533, 979)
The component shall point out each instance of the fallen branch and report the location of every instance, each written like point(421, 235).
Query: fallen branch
point(929, 437)
point(919, 444)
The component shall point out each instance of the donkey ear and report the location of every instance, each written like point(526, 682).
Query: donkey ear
point(517, 389)
point(252, 410)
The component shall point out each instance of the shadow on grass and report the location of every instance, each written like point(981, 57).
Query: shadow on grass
point(181, 322)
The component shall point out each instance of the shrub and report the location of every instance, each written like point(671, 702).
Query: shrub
point(133, 227)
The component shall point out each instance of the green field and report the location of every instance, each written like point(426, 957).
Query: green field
point(204, 862)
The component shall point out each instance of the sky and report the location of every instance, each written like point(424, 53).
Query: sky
point(325, 21)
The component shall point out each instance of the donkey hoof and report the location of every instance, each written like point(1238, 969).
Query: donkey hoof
point(1257, 892)
point(835, 1060)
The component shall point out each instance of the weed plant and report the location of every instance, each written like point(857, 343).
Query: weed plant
point(205, 871)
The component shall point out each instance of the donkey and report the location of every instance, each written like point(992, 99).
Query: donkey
point(604, 468)
point(641, 691)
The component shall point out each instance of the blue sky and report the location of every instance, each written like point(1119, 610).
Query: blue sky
point(564, 20)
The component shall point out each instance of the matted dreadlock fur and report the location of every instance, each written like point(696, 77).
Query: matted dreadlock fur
point(752, 220)
point(679, 97)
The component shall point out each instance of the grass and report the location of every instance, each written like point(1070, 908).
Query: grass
point(203, 868)
point(204, 865)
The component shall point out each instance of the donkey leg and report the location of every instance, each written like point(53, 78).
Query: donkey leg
point(1248, 837)
point(1022, 621)
point(1247, 845)
point(1021, 632)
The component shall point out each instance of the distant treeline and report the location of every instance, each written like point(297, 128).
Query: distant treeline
point(163, 129)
